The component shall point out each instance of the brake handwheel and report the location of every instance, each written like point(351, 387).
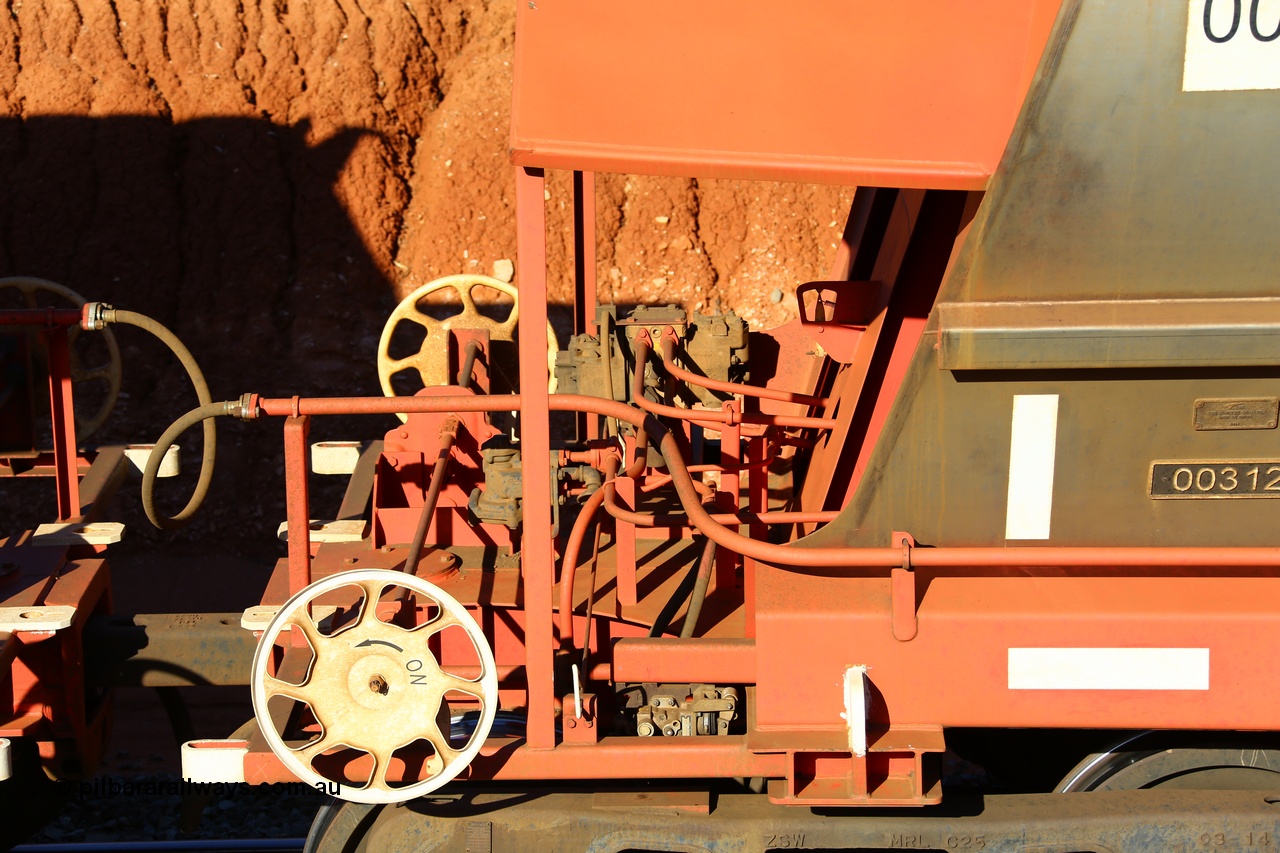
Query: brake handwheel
point(431, 361)
point(375, 687)
point(109, 372)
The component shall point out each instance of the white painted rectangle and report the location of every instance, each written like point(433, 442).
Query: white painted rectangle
point(1232, 45)
point(1032, 451)
point(1108, 669)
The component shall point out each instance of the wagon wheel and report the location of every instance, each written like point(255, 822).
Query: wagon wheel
point(431, 361)
point(107, 373)
point(376, 688)
point(1172, 760)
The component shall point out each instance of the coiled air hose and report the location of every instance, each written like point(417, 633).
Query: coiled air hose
point(110, 315)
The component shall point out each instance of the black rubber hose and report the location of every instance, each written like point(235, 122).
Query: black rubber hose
point(209, 456)
point(678, 597)
point(705, 564)
point(177, 428)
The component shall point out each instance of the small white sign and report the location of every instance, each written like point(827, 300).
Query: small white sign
point(1032, 449)
point(1108, 669)
point(1232, 45)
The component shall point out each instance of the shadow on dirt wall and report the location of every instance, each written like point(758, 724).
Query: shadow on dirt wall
point(228, 230)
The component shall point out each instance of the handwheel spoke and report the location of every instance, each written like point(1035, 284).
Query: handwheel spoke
point(448, 681)
point(423, 319)
point(304, 623)
point(468, 303)
point(406, 363)
point(297, 692)
point(308, 751)
point(440, 743)
point(444, 619)
point(373, 591)
point(381, 764)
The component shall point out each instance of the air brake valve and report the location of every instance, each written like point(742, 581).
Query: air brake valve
point(675, 710)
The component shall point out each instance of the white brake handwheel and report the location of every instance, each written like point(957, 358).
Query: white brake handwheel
point(431, 361)
point(375, 687)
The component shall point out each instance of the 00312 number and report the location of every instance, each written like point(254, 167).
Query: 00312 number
point(1253, 478)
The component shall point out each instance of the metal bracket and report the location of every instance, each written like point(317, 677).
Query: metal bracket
point(903, 592)
point(45, 618)
point(335, 457)
point(342, 530)
point(207, 761)
point(66, 534)
point(258, 618)
point(139, 454)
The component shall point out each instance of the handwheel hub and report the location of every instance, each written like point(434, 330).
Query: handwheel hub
point(375, 682)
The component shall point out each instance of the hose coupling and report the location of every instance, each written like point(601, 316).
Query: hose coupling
point(95, 316)
point(245, 409)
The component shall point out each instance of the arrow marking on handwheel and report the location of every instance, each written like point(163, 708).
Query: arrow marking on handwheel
point(379, 642)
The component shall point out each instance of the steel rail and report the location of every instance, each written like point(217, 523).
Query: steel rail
point(211, 845)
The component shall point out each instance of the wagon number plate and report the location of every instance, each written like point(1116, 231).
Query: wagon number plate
point(1255, 478)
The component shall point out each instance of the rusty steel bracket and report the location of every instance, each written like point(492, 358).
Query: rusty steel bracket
point(584, 728)
point(903, 591)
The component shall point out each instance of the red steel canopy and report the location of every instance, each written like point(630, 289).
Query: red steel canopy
point(906, 93)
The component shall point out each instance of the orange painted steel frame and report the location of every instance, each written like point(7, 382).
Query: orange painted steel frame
point(45, 671)
point(906, 94)
point(975, 605)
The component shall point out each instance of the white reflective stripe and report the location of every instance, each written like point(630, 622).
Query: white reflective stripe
point(1033, 445)
point(1108, 669)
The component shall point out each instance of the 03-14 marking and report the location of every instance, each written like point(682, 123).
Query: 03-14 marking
point(1251, 478)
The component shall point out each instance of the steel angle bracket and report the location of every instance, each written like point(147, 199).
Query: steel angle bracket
point(45, 618)
point(903, 591)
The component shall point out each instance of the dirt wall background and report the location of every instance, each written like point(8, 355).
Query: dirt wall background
point(269, 178)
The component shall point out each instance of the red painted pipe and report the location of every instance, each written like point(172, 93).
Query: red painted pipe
point(47, 317)
point(795, 555)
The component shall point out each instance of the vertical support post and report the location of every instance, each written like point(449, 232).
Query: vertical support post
point(584, 252)
point(757, 502)
point(537, 557)
point(730, 487)
point(297, 463)
point(61, 407)
point(584, 274)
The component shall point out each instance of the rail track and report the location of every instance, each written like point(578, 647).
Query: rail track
point(231, 845)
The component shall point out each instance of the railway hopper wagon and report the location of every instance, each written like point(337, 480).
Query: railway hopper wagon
point(978, 553)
